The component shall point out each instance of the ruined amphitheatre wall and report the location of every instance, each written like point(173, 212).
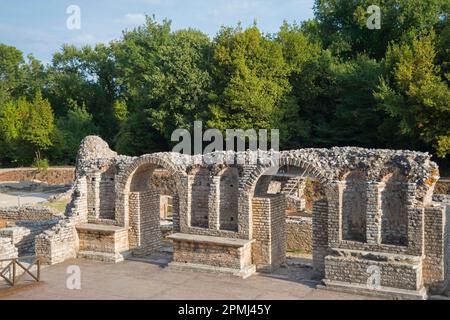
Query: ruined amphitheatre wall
point(378, 202)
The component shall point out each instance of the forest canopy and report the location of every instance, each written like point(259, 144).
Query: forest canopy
point(328, 81)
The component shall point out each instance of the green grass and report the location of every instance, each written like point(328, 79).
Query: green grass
point(59, 205)
point(298, 251)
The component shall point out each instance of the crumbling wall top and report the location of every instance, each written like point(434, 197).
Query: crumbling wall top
point(94, 147)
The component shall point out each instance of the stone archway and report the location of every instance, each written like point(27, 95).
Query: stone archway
point(138, 208)
point(319, 215)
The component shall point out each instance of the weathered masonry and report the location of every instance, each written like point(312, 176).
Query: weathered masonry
point(377, 216)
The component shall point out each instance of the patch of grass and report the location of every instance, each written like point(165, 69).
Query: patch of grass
point(297, 251)
point(59, 205)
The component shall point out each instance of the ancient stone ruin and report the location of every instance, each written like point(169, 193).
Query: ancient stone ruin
point(376, 216)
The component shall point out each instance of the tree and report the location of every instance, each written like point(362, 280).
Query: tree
point(10, 128)
point(86, 76)
point(300, 52)
point(38, 125)
point(357, 118)
point(137, 136)
point(164, 77)
point(11, 73)
point(250, 77)
point(414, 95)
point(72, 128)
point(342, 24)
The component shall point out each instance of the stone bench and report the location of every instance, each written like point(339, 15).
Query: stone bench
point(355, 271)
point(102, 242)
point(212, 254)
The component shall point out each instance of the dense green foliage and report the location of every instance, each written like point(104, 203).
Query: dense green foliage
point(328, 81)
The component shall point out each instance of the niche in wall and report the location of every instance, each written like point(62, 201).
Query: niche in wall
point(228, 199)
point(354, 207)
point(394, 212)
point(200, 186)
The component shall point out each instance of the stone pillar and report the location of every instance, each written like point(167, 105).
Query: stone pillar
point(436, 259)
point(245, 215)
point(319, 235)
point(334, 214)
point(269, 250)
point(94, 195)
point(214, 203)
point(373, 215)
point(415, 222)
point(301, 204)
point(180, 206)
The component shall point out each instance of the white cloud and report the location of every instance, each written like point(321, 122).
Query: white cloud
point(83, 39)
point(133, 19)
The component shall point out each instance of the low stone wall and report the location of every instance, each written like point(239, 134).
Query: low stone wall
point(24, 223)
point(53, 176)
point(357, 270)
point(212, 254)
point(25, 232)
point(102, 242)
point(7, 250)
point(444, 198)
point(58, 244)
point(28, 213)
point(299, 234)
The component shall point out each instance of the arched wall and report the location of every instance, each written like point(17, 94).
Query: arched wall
point(144, 166)
point(331, 167)
point(354, 207)
point(320, 210)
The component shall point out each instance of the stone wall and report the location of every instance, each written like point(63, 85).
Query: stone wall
point(107, 194)
point(102, 242)
point(393, 274)
point(25, 223)
point(269, 249)
point(434, 264)
point(145, 231)
point(213, 254)
point(278, 236)
point(375, 206)
point(299, 234)
point(7, 250)
point(354, 208)
point(228, 201)
point(58, 244)
point(207, 254)
point(28, 213)
point(53, 176)
point(394, 226)
point(320, 235)
point(24, 234)
point(200, 184)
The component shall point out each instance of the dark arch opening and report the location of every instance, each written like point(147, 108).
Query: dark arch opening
point(303, 230)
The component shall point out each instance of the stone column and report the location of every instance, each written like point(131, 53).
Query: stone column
point(334, 199)
point(373, 214)
point(185, 211)
point(301, 204)
point(214, 203)
point(94, 195)
point(416, 221)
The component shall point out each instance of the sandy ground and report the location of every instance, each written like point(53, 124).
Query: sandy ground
point(21, 198)
point(152, 279)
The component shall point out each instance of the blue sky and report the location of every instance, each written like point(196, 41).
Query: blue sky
point(39, 27)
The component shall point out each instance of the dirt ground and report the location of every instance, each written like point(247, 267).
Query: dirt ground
point(150, 278)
